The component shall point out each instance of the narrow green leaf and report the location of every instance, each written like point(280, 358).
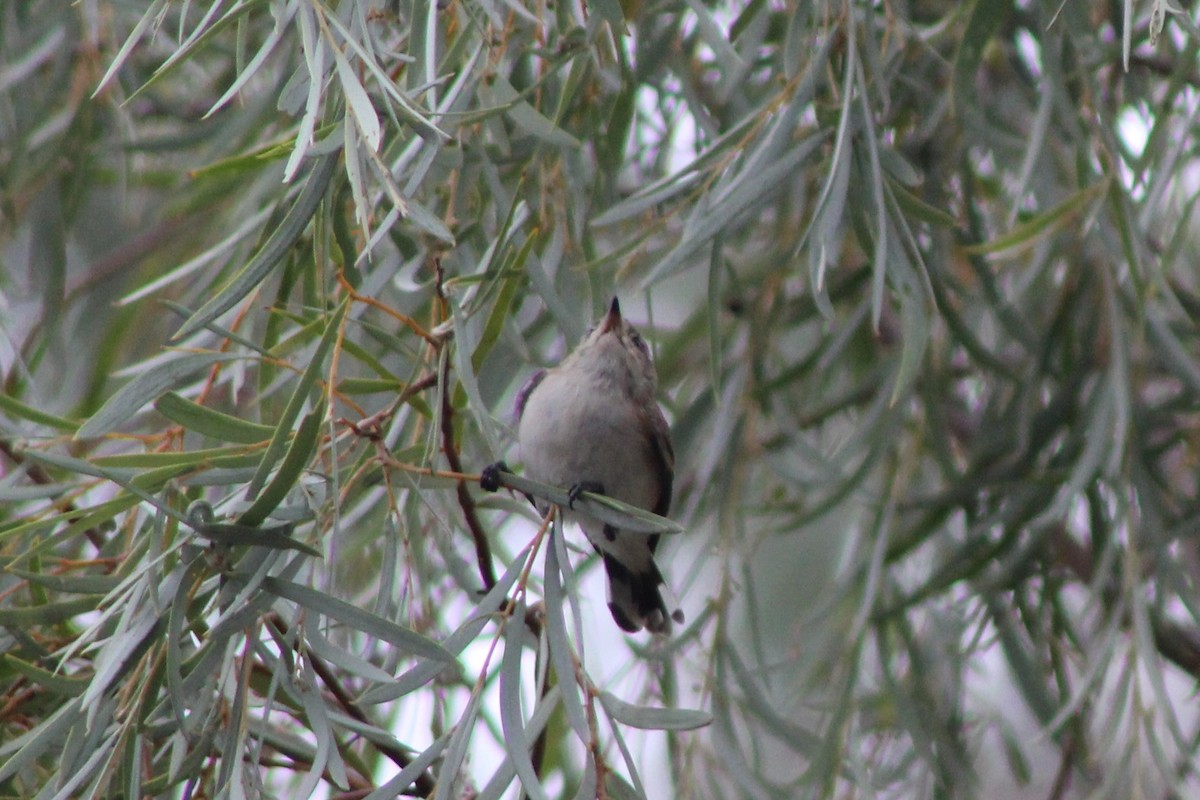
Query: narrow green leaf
point(297, 401)
point(177, 622)
point(16, 408)
point(327, 756)
point(1172, 351)
point(47, 614)
point(69, 584)
point(744, 193)
point(272, 252)
point(408, 776)
point(986, 17)
point(123, 478)
point(293, 466)
point(202, 34)
point(274, 538)
point(209, 422)
point(359, 619)
point(357, 100)
point(712, 33)
point(456, 750)
point(499, 315)
point(185, 458)
point(610, 12)
point(606, 509)
point(150, 17)
point(405, 107)
point(713, 318)
point(503, 776)
point(656, 719)
point(38, 491)
point(527, 117)
point(144, 389)
point(914, 205)
point(456, 642)
point(1022, 662)
point(682, 180)
point(55, 682)
point(283, 19)
point(617, 787)
point(512, 721)
point(350, 662)
point(914, 328)
point(21, 752)
point(20, 67)
point(589, 783)
point(137, 629)
point(561, 651)
point(1031, 231)
point(426, 220)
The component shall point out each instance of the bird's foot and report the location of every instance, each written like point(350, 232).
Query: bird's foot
point(489, 479)
point(576, 491)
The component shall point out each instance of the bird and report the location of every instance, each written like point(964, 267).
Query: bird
point(592, 423)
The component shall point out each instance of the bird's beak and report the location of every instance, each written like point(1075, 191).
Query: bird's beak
point(612, 320)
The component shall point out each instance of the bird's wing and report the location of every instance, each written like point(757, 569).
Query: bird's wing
point(662, 457)
point(526, 390)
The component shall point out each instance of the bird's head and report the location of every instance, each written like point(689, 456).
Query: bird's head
point(613, 346)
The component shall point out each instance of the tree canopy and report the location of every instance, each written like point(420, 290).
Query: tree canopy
point(919, 280)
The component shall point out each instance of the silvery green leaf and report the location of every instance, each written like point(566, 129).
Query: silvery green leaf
point(512, 719)
point(273, 251)
point(562, 651)
point(657, 719)
point(456, 642)
point(21, 752)
point(606, 509)
point(527, 117)
point(359, 619)
point(144, 389)
point(450, 773)
point(408, 776)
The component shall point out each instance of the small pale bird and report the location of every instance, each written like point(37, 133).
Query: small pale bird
point(592, 424)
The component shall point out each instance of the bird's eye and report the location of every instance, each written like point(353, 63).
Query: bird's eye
point(639, 342)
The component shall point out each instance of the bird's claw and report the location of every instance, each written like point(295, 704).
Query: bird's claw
point(489, 478)
point(577, 490)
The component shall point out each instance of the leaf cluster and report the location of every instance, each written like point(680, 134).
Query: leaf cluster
point(919, 282)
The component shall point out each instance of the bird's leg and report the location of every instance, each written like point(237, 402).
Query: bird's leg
point(577, 490)
point(489, 479)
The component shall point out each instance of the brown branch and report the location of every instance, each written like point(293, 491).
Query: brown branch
point(1162, 66)
point(483, 551)
point(403, 319)
point(371, 427)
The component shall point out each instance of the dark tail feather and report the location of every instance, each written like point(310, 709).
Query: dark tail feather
point(635, 600)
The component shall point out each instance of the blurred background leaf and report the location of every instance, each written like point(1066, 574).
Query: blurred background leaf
point(919, 281)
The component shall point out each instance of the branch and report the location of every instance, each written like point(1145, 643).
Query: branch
point(483, 551)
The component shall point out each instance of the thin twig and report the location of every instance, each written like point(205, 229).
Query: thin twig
point(483, 550)
point(404, 319)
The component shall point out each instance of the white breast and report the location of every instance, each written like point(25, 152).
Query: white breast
point(574, 430)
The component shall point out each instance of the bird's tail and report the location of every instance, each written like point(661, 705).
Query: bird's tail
point(635, 600)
